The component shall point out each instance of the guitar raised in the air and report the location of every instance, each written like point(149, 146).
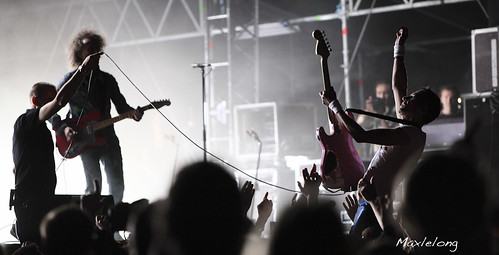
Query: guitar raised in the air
point(341, 165)
point(88, 125)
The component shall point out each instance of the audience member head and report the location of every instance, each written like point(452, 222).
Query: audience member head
point(3, 250)
point(41, 93)
point(66, 230)
point(383, 100)
point(120, 213)
point(448, 98)
point(204, 214)
point(422, 106)
point(308, 230)
point(84, 43)
point(140, 226)
point(439, 195)
point(384, 91)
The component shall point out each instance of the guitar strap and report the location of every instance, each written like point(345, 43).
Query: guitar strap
point(78, 121)
point(380, 116)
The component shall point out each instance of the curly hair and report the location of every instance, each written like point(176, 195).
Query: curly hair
point(76, 46)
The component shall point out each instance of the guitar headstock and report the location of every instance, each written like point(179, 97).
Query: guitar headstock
point(322, 47)
point(161, 103)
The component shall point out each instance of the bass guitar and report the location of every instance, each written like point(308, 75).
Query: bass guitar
point(341, 165)
point(87, 126)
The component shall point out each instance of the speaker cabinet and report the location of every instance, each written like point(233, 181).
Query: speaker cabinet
point(484, 45)
point(482, 121)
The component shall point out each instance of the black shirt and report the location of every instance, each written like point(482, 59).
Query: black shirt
point(103, 90)
point(33, 153)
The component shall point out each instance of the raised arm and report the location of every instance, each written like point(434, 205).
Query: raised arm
point(377, 136)
point(69, 88)
point(399, 75)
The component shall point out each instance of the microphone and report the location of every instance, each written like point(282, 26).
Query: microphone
point(253, 134)
point(200, 65)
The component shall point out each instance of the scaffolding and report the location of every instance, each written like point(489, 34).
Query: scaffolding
point(220, 115)
point(231, 43)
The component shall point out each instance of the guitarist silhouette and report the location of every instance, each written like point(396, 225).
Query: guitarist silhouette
point(401, 147)
point(341, 165)
point(97, 92)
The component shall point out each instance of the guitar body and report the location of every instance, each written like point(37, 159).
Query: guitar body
point(341, 165)
point(84, 138)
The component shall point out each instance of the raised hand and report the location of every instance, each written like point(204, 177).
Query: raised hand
point(369, 105)
point(293, 200)
point(103, 223)
point(264, 211)
point(247, 192)
point(91, 62)
point(265, 208)
point(312, 181)
point(351, 205)
point(402, 35)
point(327, 97)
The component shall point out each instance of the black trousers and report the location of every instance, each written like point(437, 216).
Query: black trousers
point(29, 215)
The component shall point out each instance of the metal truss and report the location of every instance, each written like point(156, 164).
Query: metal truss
point(245, 32)
point(203, 25)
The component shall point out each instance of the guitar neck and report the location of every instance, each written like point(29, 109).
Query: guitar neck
point(105, 123)
point(327, 87)
point(325, 75)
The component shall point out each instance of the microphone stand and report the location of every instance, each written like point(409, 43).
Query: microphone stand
point(258, 159)
point(202, 66)
point(254, 135)
point(204, 114)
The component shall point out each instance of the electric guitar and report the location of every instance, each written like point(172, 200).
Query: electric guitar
point(85, 130)
point(341, 165)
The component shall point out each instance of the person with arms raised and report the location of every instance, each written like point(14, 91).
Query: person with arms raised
point(400, 146)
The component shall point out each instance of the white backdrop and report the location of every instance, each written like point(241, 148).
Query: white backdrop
point(33, 48)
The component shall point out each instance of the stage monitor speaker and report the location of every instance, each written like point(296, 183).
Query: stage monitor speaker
point(297, 130)
point(283, 130)
point(254, 123)
point(484, 45)
point(482, 118)
point(61, 199)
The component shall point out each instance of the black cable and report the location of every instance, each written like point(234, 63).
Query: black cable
point(77, 121)
point(197, 145)
point(336, 191)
